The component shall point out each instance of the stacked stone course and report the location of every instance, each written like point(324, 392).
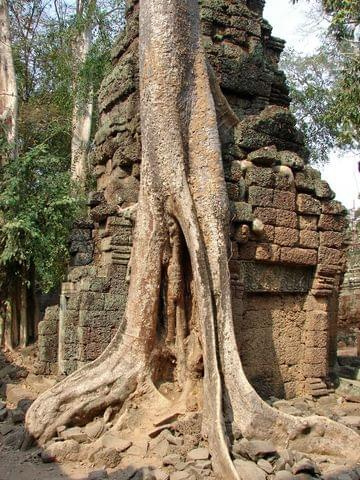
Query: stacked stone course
point(286, 233)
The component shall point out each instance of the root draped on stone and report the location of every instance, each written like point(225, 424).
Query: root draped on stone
point(183, 191)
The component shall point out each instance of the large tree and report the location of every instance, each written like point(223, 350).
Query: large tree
point(180, 254)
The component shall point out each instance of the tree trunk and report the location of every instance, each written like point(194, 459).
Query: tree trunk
point(8, 89)
point(24, 324)
point(2, 323)
point(179, 304)
point(83, 103)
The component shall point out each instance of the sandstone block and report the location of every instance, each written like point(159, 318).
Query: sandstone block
point(308, 204)
point(267, 252)
point(308, 222)
point(313, 338)
point(247, 251)
point(286, 218)
point(199, 454)
point(268, 234)
point(317, 321)
point(284, 200)
point(331, 256)
point(315, 355)
point(315, 370)
point(291, 159)
point(235, 171)
point(286, 236)
point(299, 256)
point(331, 239)
point(266, 156)
point(266, 215)
point(247, 469)
point(241, 212)
point(305, 180)
point(92, 301)
point(263, 177)
point(323, 190)
point(284, 179)
point(337, 223)
point(67, 450)
point(309, 239)
point(260, 196)
point(333, 207)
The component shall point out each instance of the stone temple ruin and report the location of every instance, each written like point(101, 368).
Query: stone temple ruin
point(287, 257)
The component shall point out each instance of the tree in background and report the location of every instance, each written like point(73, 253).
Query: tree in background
point(325, 86)
point(56, 90)
point(8, 87)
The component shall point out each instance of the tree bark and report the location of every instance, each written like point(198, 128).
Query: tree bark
point(83, 102)
point(8, 88)
point(179, 302)
point(24, 324)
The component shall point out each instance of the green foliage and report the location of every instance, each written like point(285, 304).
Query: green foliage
point(44, 40)
point(311, 80)
point(325, 86)
point(38, 206)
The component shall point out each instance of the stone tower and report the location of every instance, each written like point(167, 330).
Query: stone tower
point(287, 254)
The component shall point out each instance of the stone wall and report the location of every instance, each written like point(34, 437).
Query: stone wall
point(287, 231)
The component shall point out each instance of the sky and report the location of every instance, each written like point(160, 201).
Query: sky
point(301, 30)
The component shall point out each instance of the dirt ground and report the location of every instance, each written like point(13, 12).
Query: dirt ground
point(19, 385)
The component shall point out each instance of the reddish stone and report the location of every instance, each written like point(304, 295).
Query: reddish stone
point(315, 355)
point(284, 200)
point(267, 252)
point(331, 256)
point(286, 236)
point(333, 208)
point(317, 321)
point(299, 256)
point(308, 204)
point(260, 196)
point(337, 223)
point(331, 239)
point(266, 215)
point(309, 239)
point(308, 222)
point(285, 218)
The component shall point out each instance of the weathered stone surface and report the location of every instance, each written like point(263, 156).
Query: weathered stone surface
point(263, 177)
point(67, 450)
point(247, 470)
point(298, 256)
point(266, 156)
point(307, 204)
point(285, 218)
point(284, 200)
point(275, 278)
point(286, 236)
point(98, 475)
point(284, 475)
point(309, 239)
point(241, 212)
point(199, 454)
point(337, 223)
point(323, 190)
point(291, 159)
point(260, 196)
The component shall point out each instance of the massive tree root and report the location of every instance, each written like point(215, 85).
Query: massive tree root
point(179, 306)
